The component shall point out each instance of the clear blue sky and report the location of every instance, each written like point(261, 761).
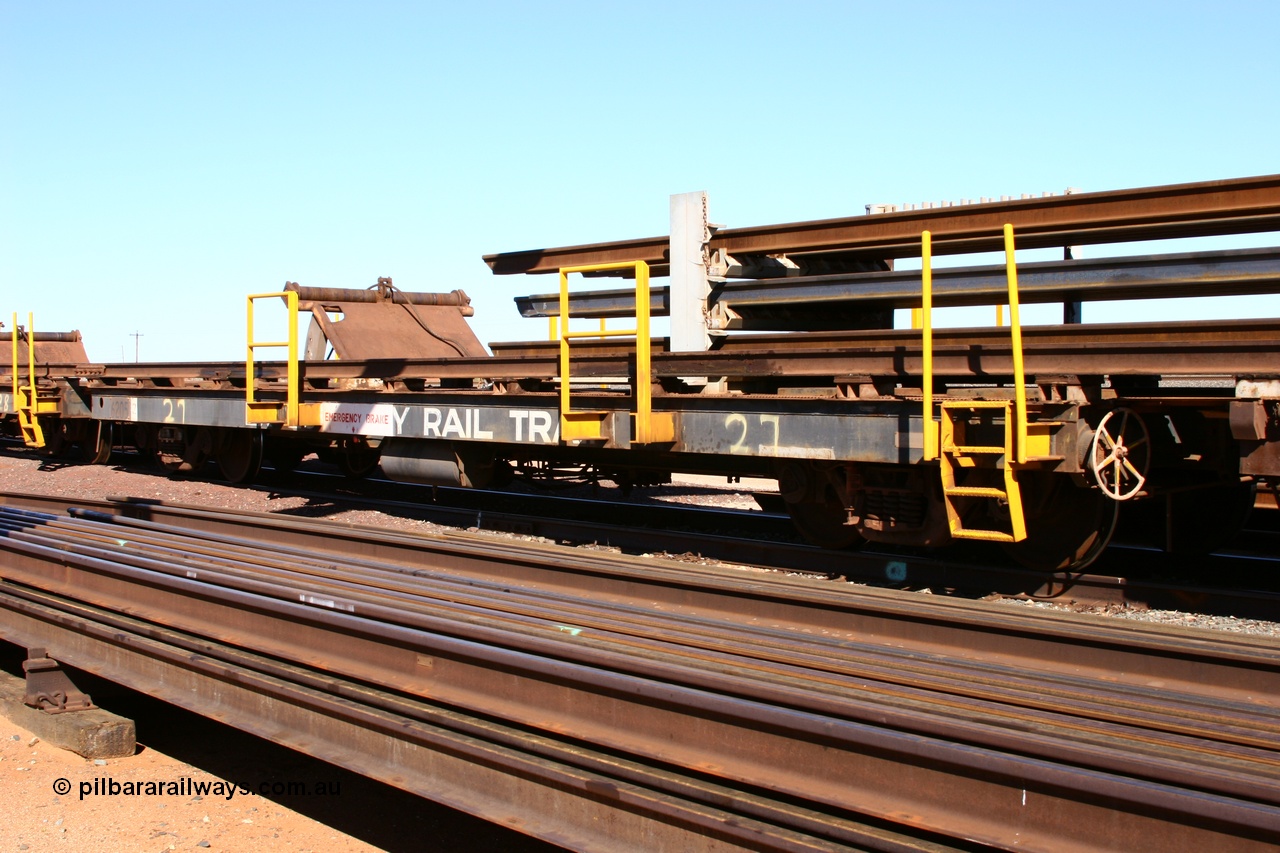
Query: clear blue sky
point(158, 161)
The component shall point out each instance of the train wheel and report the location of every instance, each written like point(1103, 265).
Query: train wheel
point(356, 459)
point(239, 454)
point(183, 449)
point(1068, 527)
point(96, 449)
point(822, 523)
point(815, 506)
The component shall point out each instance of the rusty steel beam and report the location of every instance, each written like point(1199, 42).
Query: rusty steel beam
point(1209, 208)
point(541, 678)
point(551, 523)
point(1227, 348)
point(848, 613)
point(339, 295)
point(1215, 347)
point(373, 633)
point(1231, 273)
point(567, 795)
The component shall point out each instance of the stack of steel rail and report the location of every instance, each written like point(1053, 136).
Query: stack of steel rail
point(613, 703)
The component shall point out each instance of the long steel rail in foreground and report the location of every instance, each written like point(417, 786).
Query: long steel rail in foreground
point(717, 695)
point(670, 529)
point(1209, 208)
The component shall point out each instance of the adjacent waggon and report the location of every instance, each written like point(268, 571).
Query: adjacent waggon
point(781, 362)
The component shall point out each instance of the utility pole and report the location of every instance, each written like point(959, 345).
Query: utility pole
point(135, 337)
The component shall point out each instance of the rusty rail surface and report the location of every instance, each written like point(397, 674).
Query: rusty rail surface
point(1226, 273)
point(689, 531)
point(899, 714)
point(1209, 208)
point(1216, 347)
point(1199, 348)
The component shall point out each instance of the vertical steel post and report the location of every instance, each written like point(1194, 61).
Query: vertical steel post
point(930, 433)
point(689, 285)
point(643, 381)
point(1015, 333)
point(564, 351)
point(249, 382)
point(292, 395)
point(13, 336)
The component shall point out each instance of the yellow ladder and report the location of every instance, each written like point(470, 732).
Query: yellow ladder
point(957, 455)
point(26, 399)
point(951, 448)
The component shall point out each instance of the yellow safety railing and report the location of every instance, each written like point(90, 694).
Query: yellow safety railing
point(25, 401)
point(576, 425)
point(553, 332)
point(13, 336)
point(257, 411)
point(925, 324)
point(1015, 334)
point(948, 442)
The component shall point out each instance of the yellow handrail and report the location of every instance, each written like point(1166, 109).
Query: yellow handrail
point(291, 397)
point(926, 325)
point(25, 400)
point(571, 426)
point(1015, 331)
point(13, 336)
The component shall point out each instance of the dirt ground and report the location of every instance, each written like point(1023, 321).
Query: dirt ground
point(260, 796)
point(38, 816)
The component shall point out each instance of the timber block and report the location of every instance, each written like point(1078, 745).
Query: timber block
point(93, 733)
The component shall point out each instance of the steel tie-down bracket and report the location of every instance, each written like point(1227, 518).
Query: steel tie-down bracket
point(49, 688)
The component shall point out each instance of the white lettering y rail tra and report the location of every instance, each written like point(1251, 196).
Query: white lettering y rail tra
point(464, 423)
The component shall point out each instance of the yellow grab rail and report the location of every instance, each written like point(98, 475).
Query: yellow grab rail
point(926, 326)
point(266, 412)
point(13, 336)
point(1015, 333)
point(25, 402)
point(586, 424)
point(553, 329)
